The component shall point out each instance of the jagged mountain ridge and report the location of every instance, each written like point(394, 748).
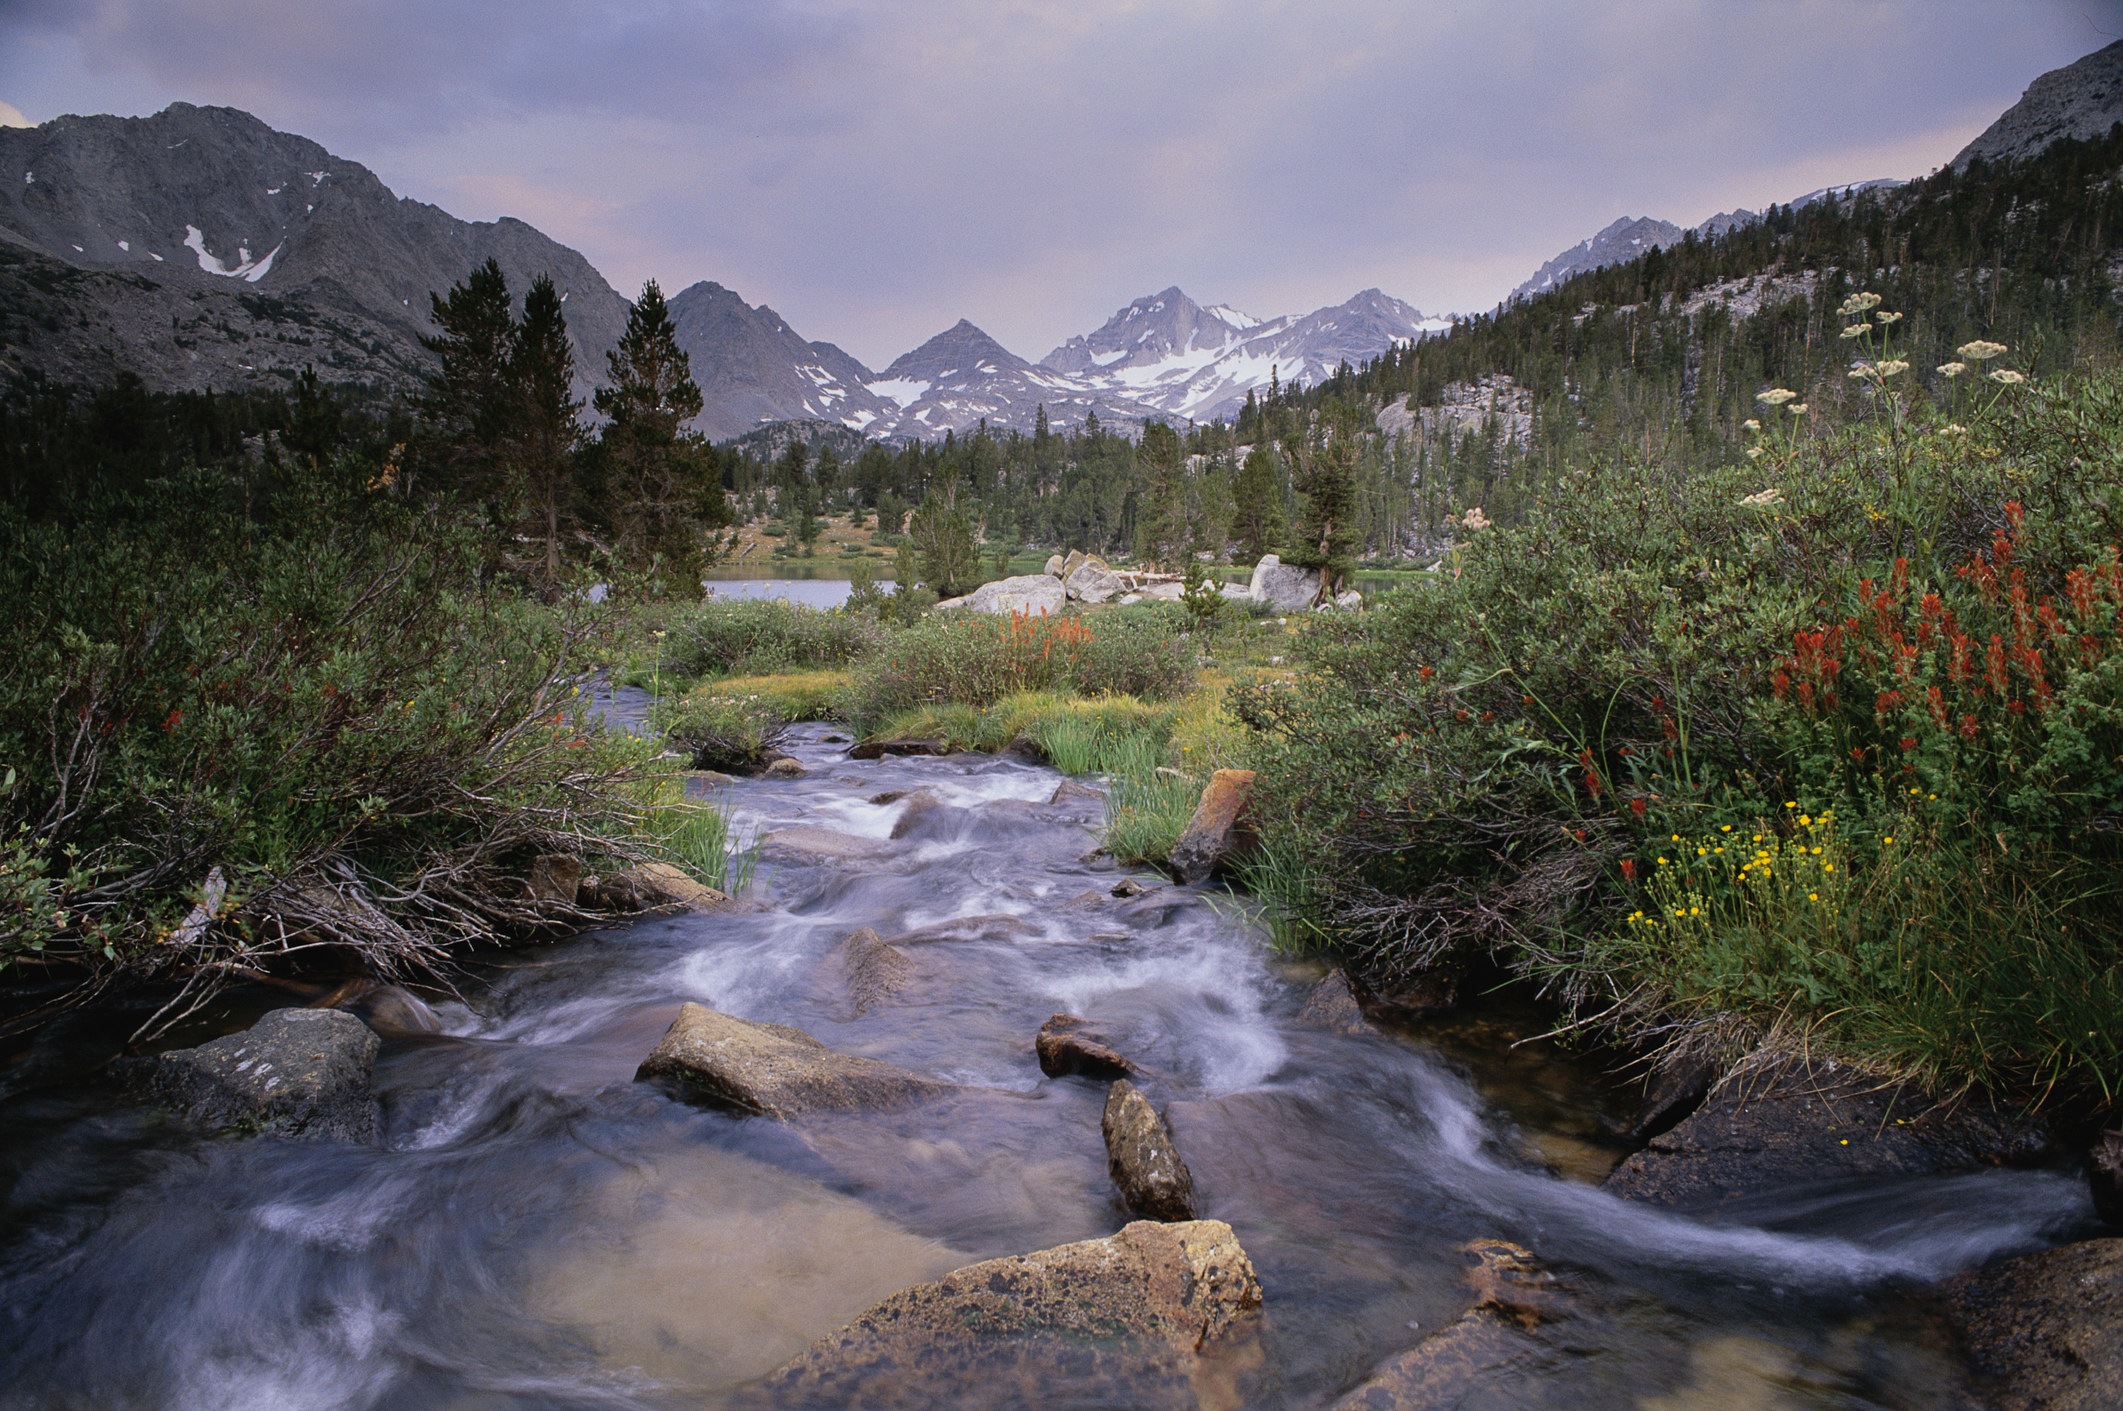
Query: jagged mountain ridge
point(264, 251)
point(1189, 362)
point(2081, 100)
point(1632, 236)
point(753, 368)
point(963, 377)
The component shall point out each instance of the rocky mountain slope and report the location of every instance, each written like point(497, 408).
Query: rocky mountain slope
point(202, 248)
point(2080, 100)
point(753, 368)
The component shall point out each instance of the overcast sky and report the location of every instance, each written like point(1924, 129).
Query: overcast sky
point(877, 169)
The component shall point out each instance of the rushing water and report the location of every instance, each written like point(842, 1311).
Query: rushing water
point(539, 1230)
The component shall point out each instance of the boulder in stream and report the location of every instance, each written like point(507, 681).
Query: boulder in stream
point(294, 1073)
point(774, 1070)
point(1064, 1048)
point(867, 970)
point(878, 749)
point(787, 767)
point(1215, 833)
point(806, 844)
point(2046, 1329)
point(1156, 1316)
point(1332, 1006)
point(1801, 1122)
point(1070, 791)
point(1145, 1163)
point(2105, 1176)
point(652, 884)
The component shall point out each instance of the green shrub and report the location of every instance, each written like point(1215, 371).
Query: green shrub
point(1911, 631)
point(977, 659)
point(756, 636)
point(307, 695)
point(1137, 651)
point(723, 732)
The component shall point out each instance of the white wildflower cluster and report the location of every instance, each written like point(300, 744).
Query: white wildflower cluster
point(1750, 425)
point(1859, 304)
point(1754, 453)
point(1857, 330)
point(1475, 519)
point(1891, 367)
point(1980, 350)
point(1761, 498)
point(1952, 369)
point(1776, 396)
point(2008, 377)
point(1797, 409)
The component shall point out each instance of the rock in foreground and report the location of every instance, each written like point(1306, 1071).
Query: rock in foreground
point(1485, 1357)
point(653, 884)
point(1144, 1161)
point(1150, 1317)
point(866, 970)
point(2047, 1329)
point(775, 1070)
point(295, 1073)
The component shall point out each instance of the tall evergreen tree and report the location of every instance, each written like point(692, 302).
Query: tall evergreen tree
point(941, 537)
point(1257, 504)
point(468, 397)
point(660, 480)
point(1161, 518)
point(1325, 532)
point(547, 427)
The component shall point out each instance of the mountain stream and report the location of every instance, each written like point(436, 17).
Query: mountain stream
point(537, 1229)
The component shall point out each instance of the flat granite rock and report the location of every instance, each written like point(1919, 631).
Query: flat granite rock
point(805, 843)
point(1809, 1123)
point(2046, 1330)
point(1155, 1316)
point(294, 1073)
point(774, 1070)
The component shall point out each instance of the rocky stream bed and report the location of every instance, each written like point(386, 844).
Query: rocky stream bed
point(904, 1126)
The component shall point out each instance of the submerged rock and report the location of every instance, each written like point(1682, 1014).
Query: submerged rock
point(392, 1011)
point(923, 810)
point(1805, 1122)
point(774, 1070)
point(2047, 1329)
point(653, 884)
point(787, 767)
point(1145, 1163)
point(878, 749)
point(1064, 1049)
point(1475, 1359)
point(807, 844)
point(1215, 833)
point(1151, 1317)
point(868, 970)
point(295, 1073)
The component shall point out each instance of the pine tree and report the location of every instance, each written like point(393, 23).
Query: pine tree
point(941, 536)
point(547, 426)
point(1325, 532)
point(468, 397)
point(1161, 517)
point(659, 479)
point(1257, 504)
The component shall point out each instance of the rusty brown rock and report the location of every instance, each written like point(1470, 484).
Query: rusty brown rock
point(1064, 1048)
point(1215, 833)
point(1152, 1317)
point(775, 1070)
point(1140, 1153)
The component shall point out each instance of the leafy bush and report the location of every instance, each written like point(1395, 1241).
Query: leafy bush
point(1910, 631)
point(296, 722)
point(725, 732)
point(977, 659)
point(755, 636)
